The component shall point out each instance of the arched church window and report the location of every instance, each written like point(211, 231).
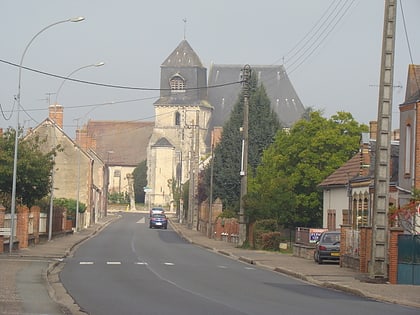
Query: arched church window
point(177, 119)
point(177, 83)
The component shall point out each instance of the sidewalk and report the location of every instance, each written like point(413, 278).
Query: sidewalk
point(29, 282)
point(42, 262)
point(325, 275)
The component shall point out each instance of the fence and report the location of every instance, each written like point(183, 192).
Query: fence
point(351, 243)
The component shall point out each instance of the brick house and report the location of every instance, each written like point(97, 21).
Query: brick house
point(348, 192)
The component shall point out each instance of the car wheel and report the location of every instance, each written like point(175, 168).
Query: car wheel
point(315, 257)
point(320, 261)
point(165, 227)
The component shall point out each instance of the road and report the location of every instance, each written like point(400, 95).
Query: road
point(131, 269)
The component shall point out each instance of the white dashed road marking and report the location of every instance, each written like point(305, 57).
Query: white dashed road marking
point(113, 263)
point(86, 263)
point(169, 264)
point(141, 263)
point(142, 220)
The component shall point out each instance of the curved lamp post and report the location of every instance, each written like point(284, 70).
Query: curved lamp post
point(13, 203)
point(99, 64)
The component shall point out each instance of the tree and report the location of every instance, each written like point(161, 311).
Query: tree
point(296, 163)
point(408, 215)
point(263, 125)
point(33, 176)
point(140, 181)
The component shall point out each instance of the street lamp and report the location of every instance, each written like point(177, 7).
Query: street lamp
point(99, 64)
point(13, 204)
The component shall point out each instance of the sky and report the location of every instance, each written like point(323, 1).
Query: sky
point(331, 50)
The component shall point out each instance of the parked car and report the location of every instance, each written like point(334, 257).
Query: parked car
point(327, 247)
point(158, 220)
point(157, 210)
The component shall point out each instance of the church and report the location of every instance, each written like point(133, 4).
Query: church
point(191, 105)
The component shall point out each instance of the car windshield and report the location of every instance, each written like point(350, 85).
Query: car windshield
point(331, 238)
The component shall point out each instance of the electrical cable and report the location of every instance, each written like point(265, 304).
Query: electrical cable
point(113, 85)
point(409, 46)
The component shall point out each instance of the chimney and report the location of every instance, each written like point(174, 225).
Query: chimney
point(373, 129)
point(56, 114)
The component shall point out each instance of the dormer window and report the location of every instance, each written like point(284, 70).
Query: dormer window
point(177, 83)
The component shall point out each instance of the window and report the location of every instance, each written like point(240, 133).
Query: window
point(177, 83)
point(177, 119)
point(331, 217)
point(407, 158)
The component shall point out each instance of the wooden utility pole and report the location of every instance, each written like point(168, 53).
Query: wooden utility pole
point(246, 74)
point(378, 267)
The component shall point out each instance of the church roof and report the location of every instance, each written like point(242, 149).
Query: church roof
point(284, 99)
point(183, 56)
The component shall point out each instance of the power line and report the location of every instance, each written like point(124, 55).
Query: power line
point(114, 85)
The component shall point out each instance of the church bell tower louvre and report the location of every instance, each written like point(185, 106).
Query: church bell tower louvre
point(182, 117)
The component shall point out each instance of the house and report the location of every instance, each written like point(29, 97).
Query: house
point(121, 145)
point(348, 192)
point(409, 168)
point(405, 168)
point(78, 173)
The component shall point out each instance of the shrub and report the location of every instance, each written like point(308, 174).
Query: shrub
point(271, 240)
point(266, 225)
point(70, 205)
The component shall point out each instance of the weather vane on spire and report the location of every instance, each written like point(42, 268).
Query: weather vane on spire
point(185, 27)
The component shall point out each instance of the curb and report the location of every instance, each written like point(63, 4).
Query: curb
point(51, 277)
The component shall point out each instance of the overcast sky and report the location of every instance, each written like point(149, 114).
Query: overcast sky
point(331, 50)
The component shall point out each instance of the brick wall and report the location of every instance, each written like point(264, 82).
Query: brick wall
point(393, 255)
point(365, 248)
point(22, 226)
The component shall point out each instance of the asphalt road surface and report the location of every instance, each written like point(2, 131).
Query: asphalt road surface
point(131, 269)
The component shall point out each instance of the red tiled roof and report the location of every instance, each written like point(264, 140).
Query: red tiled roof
point(346, 172)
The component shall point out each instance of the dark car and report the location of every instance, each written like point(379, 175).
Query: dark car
point(327, 247)
point(158, 220)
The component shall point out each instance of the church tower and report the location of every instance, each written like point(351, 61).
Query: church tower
point(182, 115)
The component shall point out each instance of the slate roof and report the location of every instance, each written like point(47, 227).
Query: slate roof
point(126, 139)
point(412, 93)
point(284, 99)
point(163, 143)
point(183, 56)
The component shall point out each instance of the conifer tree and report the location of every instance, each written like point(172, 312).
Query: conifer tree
point(263, 125)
